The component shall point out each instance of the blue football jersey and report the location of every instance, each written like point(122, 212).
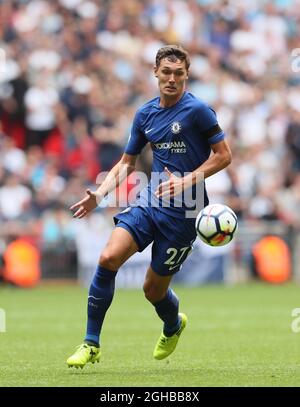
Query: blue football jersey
point(180, 137)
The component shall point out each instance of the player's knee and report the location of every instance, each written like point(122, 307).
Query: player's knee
point(110, 260)
point(153, 293)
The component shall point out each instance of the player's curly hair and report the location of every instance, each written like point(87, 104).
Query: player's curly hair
point(172, 52)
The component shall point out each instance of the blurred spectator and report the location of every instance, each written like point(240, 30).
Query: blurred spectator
point(14, 198)
point(40, 102)
point(293, 140)
point(57, 228)
point(13, 159)
point(288, 201)
point(82, 149)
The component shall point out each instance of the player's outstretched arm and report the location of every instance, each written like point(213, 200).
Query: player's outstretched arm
point(87, 204)
point(116, 175)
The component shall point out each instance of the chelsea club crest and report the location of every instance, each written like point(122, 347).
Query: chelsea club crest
point(176, 127)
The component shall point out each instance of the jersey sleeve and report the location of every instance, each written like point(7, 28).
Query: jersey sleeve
point(137, 139)
point(207, 124)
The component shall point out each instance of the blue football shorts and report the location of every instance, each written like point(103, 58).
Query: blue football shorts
point(172, 237)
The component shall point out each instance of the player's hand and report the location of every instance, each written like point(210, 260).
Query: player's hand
point(170, 188)
point(86, 205)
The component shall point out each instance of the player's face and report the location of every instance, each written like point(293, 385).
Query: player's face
point(171, 77)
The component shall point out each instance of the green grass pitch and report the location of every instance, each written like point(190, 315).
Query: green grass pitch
point(236, 336)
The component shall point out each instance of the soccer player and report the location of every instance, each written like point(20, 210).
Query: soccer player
point(182, 131)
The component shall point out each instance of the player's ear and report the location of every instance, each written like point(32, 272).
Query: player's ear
point(155, 69)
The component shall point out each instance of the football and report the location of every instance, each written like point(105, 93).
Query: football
point(216, 225)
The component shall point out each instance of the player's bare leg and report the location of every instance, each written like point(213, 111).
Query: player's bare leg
point(155, 286)
point(166, 304)
point(119, 248)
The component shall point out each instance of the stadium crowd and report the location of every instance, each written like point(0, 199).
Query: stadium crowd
point(73, 72)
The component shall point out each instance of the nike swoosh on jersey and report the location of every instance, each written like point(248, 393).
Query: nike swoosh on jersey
point(148, 131)
point(173, 267)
